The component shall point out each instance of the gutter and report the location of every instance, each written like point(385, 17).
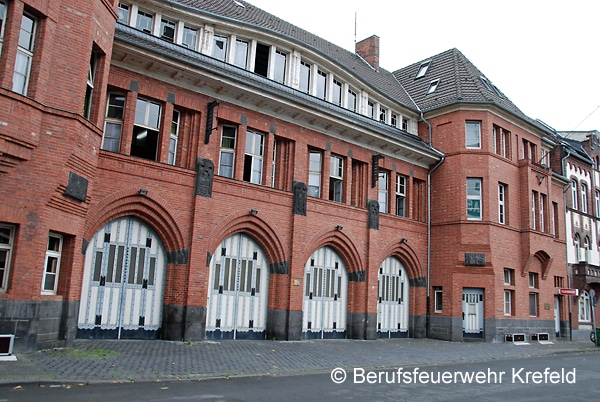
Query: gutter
point(565, 189)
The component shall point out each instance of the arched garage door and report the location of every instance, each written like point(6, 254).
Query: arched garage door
point(123, 283)
point(392, 303)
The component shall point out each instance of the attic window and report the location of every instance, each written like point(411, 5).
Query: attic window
point(237, 3)
point(433, 86)
point(423, 69)
point(486, 83)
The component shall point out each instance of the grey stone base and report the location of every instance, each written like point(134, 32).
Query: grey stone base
point(39, 324)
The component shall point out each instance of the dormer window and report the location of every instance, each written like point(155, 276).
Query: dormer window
point(433, 86)
point(486, 83)
point(423, 69)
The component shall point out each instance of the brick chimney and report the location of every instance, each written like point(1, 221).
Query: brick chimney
point(368, 49)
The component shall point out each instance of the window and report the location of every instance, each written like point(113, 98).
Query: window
point(474, 199)
point(279, 68)
point(533, 304)
point(336, 178)
point(555, 218)
point(89, 92)
point(282, 163)
point(501, 142)
point(304, 77)
point(473, 138)
point(584, 208)
point(189, 38)
point(144, 143)
point(261, 59)
point(2, 21)
point(174, 137)
point(404, 123)
point(220, 48)
point(508, 302)
point(321, 84)
point(336, 93)
point(253, 158)
point(382, 114)
point(123, 13)
point(167, 30)
point(382, 183)
point(24, 55)
point(502, 203)
point(144, 21)
point(227, 155)
point(400, 195)
point(360, 177)
point(545, 161)
point(542, 226)
point(574, 197)
point(52, 264)
point(394, 120)
point(509, 276)
point(577, 245)
point(7, 233)
point(370, 110)
point(351, 100)
point(584, 307)
point(533, 280)
point(597, 197)
point(529, 151)
point(559, 282)
point(423, 69)
point(419, 200)
point(534, 211)
point(241, 53)
point(437, 299)
point(433, 86)
point(587, 247)
point(114, 123)
point(314, 174)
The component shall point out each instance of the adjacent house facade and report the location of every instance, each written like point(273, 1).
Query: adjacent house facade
point(204, 170)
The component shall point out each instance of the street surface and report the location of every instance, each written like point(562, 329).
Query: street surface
point(565, 376)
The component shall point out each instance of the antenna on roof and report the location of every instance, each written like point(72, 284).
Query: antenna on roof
point(355, 16)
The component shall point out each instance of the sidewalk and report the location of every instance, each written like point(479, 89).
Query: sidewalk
point(93, 361)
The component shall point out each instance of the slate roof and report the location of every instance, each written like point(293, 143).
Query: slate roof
point(381, 80)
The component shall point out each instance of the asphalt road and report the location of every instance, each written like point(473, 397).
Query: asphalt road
point(568, 377)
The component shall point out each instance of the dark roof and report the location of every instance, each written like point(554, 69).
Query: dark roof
point(381, 80)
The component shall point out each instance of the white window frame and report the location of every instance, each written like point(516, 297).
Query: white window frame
point(533, 282)
point(254, 154)
point(584, 307)
point(189, 37)
point(6, 246)
point(24, 55)
point(534, 304)
point(145, 15)
point(438, 300)
point(383, 191)
point(2, 23)
point(174, 137)
point(227, 150)
point(474, 198)
point(336, 178)
point(52, 265)
point(471, 136)
point(279, 66)
point(508, 276)
point(87, 107)
point(124, 10)
point(597, 195)
point(165, 23)
point(574, 196)
point(222, 53)
point(242, 51)
point(508, 302)
point(315, 168)
point(502, 203)
point(114, 121)
point(401, 183)
point(584, 198)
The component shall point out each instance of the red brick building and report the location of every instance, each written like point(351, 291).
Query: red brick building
point(202, 169)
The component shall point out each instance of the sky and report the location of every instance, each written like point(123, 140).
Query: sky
point(543, 55)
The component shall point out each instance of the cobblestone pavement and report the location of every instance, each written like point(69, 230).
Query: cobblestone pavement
point(92, 361)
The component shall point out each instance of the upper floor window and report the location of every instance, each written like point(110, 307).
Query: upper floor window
point(584, 307)
point(144, 21)
point(174, 137)
point(502, 203)
point(253, 157)
point(189, 38)
point(509, 275)
point(241, 53)
point(394, 120)
point(220, 47)
point(529, 150)
point(371, 109)
point(423, 69)
point(473, 136)
point(336, 178)
point(227, 153)
point(24, 54)
point(474, 199)
point(574, 197)
point(123, 13)
point(433, 86)
point(304, 77)
point(167, 30)
point(52, 263)
point(404, 123)
point(382, 114)
point(336, 93)
point(314, 173)
point(383, 185)
point(144, 143)
point(279, 67)
point(87, 106)
point(2, 22)
point(113, 125)
point(321, 84)
point(7, 233)
point(577, 245)
point(351, 103)
point(597, 197)
point(501, 142)
point(400, 195)
point(584, 208)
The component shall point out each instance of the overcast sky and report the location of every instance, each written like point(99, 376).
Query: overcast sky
point(543, 55)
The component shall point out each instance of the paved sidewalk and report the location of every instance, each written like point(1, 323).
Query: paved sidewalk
point(93, 361)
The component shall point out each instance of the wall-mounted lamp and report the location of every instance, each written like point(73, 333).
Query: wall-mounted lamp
point(143, 191)
point(253, 212)
point(339, 227)
point(404, 240)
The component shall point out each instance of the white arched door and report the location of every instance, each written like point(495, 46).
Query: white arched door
point(238, 291)
point(393, 300)
point(325, 296)
point(123, 283)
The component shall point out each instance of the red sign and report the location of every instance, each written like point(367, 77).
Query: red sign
point(569, 292)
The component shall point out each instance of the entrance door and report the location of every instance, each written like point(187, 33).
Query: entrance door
point(325, 296)
point(122, 291)
point(392, 304)
point(238, 291)
point(472, 313)
point(557, 315)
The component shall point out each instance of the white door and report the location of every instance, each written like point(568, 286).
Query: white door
point(238, 291)
point(122, 291)
point(392, 304)
point(557, 315)
point(472, 312)
point(325, 296)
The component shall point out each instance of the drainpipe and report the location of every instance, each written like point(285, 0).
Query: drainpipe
point(566, 188)
point(428, 315)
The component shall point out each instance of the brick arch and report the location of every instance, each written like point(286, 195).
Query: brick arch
point(342, 245)
point(262, 231)
point(543, 258)
point(151, 209)
point(407, 257)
